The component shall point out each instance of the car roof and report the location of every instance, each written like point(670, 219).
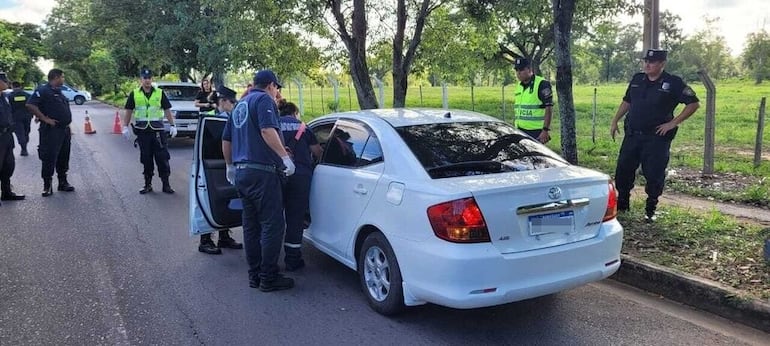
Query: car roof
point(159, 84)
point(399, 117)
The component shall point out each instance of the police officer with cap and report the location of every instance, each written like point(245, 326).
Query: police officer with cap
point(21, 116)
point(226, 101)
point(649, 127)
point(7, 161)
point(148, 105)
point(533, 102)
point(52, 109)
point(257, 162)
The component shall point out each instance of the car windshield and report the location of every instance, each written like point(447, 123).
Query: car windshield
point(473, 148)
point(180, 92)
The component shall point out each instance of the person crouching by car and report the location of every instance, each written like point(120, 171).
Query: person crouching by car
point(302, 144)
point(225, 102)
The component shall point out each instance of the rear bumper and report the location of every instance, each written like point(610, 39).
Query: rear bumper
point(477, 275)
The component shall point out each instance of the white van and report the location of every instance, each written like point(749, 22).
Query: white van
point(182, 97)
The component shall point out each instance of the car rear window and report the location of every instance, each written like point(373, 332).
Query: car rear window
point(474, 148)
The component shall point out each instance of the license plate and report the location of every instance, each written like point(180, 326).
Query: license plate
point(560, 222)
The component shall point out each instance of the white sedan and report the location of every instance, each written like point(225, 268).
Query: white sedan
point(452, 207)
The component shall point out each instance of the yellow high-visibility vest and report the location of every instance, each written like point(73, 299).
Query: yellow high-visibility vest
point(528, 110)
point(148, 111)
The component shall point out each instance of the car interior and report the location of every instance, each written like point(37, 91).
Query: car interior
point(220, 192)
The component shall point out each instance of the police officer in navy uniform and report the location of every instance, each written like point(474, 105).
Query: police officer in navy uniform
point(150, 105)
point(225, 100)
point(21, 116)
point(301, 143)
point(533, 102)
point(7, 161)
point(257, 162)
point(649, 127)
point(52, 109)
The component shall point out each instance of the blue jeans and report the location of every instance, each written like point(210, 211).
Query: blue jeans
point(263, 221)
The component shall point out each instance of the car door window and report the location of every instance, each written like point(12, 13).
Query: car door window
point(347, 145)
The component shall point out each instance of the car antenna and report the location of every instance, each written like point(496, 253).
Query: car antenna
point(447, 115)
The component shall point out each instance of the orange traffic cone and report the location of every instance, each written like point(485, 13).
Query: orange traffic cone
point(116, 128)
point(89, 130)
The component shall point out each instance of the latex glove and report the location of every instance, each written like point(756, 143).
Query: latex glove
point(230, 174)
point(290, 168)
point(172, 131)
point(126, 133)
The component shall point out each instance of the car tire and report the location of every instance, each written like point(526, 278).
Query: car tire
point(79, 100)
point(380, 275)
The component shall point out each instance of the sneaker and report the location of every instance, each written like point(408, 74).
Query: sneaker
point(276, 284)
point(295, 265)
point(254, 282)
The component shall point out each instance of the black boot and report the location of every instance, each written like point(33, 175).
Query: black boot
point(47, 187)
point(7, 193)
point(207, 245)
point(147, 185)
point(649, 210)
point(225, 241)
point(166, 185)
point(624, 201)
point(64, 185)
point(24, 151)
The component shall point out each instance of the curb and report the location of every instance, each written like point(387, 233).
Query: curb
point(698, 292)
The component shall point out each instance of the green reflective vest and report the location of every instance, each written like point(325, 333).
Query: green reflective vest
point(527, 107)
point(148, 111)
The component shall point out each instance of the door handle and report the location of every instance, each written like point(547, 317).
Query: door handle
point(360, 190)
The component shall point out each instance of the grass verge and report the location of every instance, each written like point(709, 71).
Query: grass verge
point(711, 245)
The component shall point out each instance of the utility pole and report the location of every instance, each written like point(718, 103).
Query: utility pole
point(651, 25)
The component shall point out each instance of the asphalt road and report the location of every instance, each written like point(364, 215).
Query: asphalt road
point(105, 265)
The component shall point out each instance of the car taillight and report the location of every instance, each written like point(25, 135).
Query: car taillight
point(612, 204)
point(459, 221)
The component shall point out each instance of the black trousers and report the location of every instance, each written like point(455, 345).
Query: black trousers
point(22, 128)
point(7, 161)
point(652, 152)
point(153, 149)
point(54, 150)
point(296, 200)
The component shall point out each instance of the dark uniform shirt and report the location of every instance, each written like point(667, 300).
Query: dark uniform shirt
point(6, 118)
point(164, 102)
point(253, 113)
point(203, 97)
point(18, 100)
point(52, 103)
point(653, 102)
point(300, 149)
point(544, 92)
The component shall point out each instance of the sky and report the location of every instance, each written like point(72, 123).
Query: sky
point(737, 18)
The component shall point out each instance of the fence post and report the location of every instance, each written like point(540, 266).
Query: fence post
point(350, 97)
point(381, 91)
point(310, 92)
point(300, 97)
point(503, 95)
point(336, 85)
point(421, 95)
point(444, 95)
point(708, 150)
point(593, 121)
point(473, 98)
point(760, 130)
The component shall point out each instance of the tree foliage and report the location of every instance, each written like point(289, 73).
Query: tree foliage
point(756, 55)
point(20, 46)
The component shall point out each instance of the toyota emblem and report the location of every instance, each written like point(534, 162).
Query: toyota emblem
point(554, 192)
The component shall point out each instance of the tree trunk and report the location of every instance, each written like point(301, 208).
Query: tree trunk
point(563, 11)
point(355, 42)
point(402, 63)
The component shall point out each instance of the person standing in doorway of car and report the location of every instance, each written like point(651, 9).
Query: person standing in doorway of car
point(303, 146)
point(21, 116)
point(150, 105)
point(226, 102)
point(650, 126)
point(533, 102)
point(52, 109)
point(257, 162)
point(204, 100)
point(7, 161)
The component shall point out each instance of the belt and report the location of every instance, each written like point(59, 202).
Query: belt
point(259, 166)
point(640, 132)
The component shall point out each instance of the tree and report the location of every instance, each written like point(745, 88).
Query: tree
point(705, 49)
point(20, 46)
point(563, 12)
point(756, 55)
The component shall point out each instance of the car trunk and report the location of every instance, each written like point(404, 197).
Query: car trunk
point(538, 209)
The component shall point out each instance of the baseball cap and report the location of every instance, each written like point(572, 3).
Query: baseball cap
point(264, 77)
point(655, 55)
point(4, 78)
point(145, 73)
point(521, 63)
point(226, 93)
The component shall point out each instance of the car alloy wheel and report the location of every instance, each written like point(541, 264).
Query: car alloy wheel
point(79, 100)
point(380, 275)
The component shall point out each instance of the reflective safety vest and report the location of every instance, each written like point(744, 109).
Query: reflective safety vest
point(148, 111)
point(528, 110)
